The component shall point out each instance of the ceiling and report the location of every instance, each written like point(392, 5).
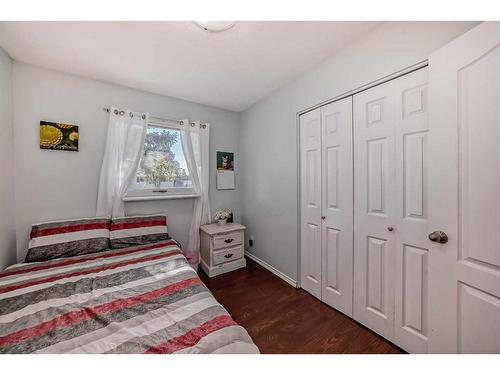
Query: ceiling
point(231, 70)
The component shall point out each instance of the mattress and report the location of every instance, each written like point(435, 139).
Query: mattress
point(142, 299)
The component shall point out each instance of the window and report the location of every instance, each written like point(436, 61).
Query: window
point(162, 171)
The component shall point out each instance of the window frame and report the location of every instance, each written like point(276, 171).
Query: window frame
point(171, 193)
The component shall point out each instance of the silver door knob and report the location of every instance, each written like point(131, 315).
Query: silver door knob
point(390, 229)
point(438, 236)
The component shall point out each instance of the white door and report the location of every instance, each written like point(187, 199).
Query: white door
point(310, 187)
point(374, 208)
point(337, 190)
point(391, 212)
point(411, 221)
point(464, 201)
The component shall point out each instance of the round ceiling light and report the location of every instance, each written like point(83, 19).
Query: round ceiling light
point(215, 26)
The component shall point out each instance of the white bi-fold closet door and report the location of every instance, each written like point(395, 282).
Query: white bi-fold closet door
point(326, 203)
point(364, 245)
point(426, 256)
point(391, 210)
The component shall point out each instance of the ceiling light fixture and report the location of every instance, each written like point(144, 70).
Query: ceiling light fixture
point(214, 26)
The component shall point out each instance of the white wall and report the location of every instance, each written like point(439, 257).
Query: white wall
point(54, 184)
point(7, 222)
point(268, 146)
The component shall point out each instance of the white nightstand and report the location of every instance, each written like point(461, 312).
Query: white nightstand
point(222, 248)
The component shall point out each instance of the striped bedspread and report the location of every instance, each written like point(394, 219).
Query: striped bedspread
point(143, 299)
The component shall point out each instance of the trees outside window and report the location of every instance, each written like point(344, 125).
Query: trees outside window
point(163, 163)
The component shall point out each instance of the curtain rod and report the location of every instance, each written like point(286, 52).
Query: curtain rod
point(155, 118)
point(180, 122)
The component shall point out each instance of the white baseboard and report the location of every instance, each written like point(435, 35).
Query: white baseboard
point(270, 268)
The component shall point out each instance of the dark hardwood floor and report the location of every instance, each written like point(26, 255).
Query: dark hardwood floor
point(283, 319)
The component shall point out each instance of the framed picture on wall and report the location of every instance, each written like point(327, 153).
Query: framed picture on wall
point(58, 136)
point(225, 170)
point(225, 161)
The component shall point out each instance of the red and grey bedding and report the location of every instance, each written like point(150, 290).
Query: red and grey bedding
point(84, 236)
point(143, 299)
point(137, 230)
point(68, 238)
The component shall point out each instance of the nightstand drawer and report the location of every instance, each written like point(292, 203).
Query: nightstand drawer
point(227, 255)
point(221, 248)
point(227, 239)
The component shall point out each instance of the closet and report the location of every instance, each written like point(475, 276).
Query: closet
point(399, 201)
point(326, 203)
point(391, 210)
point(364, 204)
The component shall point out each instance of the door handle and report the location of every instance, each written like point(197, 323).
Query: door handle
point(323, 217)
point(438, 236)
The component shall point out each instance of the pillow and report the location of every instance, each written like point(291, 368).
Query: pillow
point(61, 239)
point(137, 230)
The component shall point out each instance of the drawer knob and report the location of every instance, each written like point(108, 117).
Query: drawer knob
point(229, 240)
point(227, 256)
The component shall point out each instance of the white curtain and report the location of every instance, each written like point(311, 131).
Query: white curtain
point(195, 142)
point(124, 147)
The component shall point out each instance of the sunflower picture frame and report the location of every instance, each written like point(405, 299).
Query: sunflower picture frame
point(58, 136)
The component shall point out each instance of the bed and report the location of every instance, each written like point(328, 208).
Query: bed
point(137, 299)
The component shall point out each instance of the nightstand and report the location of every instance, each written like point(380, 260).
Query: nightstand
point(222, 248)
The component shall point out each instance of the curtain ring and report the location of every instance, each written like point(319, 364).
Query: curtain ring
point(115, 111)
point(193, 124)
point(181, 122)
point(203, 126)
point(143, 116)
point(122, 113)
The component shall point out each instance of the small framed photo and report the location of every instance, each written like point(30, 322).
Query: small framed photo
point(58, 136)
point(225, 170)
point(225, 161)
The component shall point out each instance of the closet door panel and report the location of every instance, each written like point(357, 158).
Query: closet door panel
point(411, 224)
point(374, 208)
point(337, 197)
point(310, 187)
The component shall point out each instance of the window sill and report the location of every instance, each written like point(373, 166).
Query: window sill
point(160, 197)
